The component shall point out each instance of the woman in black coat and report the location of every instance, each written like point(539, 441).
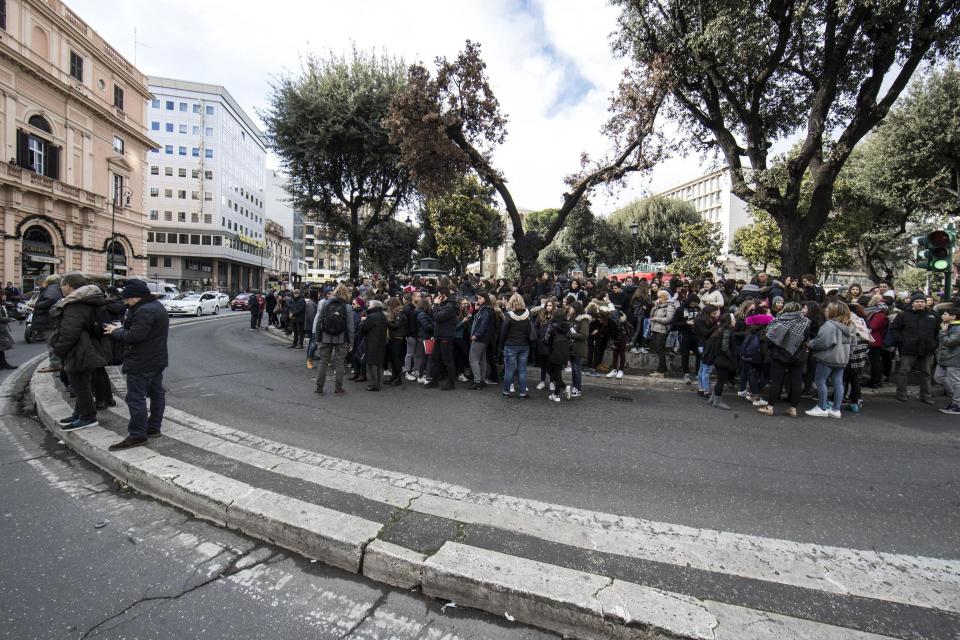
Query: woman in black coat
point(374, 331)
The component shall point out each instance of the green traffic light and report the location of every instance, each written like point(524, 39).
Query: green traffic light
point(940, 265)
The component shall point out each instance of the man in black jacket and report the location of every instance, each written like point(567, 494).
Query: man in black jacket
point(144, 336)
point(49, 296)
point(444, 332)
point(915, 336)
point(298, 309)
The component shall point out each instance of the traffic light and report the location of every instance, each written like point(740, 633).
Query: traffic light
point(935, 250)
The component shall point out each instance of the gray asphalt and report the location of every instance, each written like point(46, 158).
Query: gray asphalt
point(887, 479)
point(86, 558)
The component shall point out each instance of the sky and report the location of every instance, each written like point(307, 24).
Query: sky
point(548, 61)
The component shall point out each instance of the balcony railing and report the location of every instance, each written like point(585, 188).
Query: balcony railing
point(35, 182)
point(75, 21)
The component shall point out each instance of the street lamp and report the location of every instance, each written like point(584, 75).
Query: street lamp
point(634, 231)
point(409, 224)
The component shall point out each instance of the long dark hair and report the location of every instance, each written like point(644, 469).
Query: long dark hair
point(814, 313)
point(706, 312)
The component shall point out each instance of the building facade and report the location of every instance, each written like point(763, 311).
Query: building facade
point(73, 127)
point(279, 250)
point(711, 197)
point(325, 257)
point(291, 222)
point(205, 189)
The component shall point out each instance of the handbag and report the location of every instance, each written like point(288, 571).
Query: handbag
point(532, 335)
point(428, 346)
point(673, 339)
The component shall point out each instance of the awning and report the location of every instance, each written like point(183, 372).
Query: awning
point(33, 257)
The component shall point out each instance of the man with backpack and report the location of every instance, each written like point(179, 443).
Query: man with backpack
point(334, 328)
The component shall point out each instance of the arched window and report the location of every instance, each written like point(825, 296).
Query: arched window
point(40, 123)
point(36, 153)
point(116, 256)
point(38, 234)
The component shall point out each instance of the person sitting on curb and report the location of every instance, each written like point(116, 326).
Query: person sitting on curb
point(144, 335)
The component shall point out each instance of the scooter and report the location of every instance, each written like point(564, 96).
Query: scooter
point(29, 333)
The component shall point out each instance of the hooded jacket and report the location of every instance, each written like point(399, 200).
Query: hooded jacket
point(144, 337)
point(948, 354)
point(50, 295)
point(578, 339)
point(834, 343)
point(79, 342)
point(374, 332)
point(515, 331)
point(482, 325)
point(661, 316)
point(445, 319)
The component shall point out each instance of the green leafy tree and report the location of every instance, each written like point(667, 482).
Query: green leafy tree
point(759, 242)
point(387, 246)
point(743, 76)
point(700, 245)
point(658, 221)
point(325, 124)
point(579, 235)
point(556, 258)
point(464, 222)
point(913, 279)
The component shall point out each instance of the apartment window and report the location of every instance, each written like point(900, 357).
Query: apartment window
point(168, 127)
point(168, 149)
point(223, 221)
point(161, 236)
point(167, 262)
point(169, 105)
point(76, 66)
point(208, 175)
point(208, 218)
point(205, 240)
point(194, 217)
point(209, 111)
point(196, 108)
point(208, 153)
point(168, 216)
point(194, 239)
point(154, 170)
point(194, 195)
point(183, 107)
point(217, 241)
point(154, 192)
point(168, 171)
point(118, 192)
point(171, 238)
point(182, 151)
point(181, 173)
point(155, 104)
point(155, 126)
point(182, 194)
point(181, 216)
point(118, 97)
point(184, 238)
point(153, 259)
point(209, 131)
point(168, 193)
point(154, 214)
point(195, 151)
point(208, 196)
point(195, 173)
point(183, 128)
point(196, 130)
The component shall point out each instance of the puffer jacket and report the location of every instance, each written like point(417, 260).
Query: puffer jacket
point(144, 337)
point(834, 343)
point(424, 325)
point(578, 340)
point(515, 331)
point(661, 316)
point(50, 296)
point(400, 324)
point(78, 343)
point(482, 327)
point(915, 332)
point(948, 353)
point(445, 319)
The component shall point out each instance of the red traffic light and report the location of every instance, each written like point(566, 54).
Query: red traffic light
point(938, 239)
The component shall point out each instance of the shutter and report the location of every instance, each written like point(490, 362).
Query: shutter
point(23, 150)
point(53, 162)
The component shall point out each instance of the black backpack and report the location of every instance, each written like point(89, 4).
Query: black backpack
point(750, 350)
point(333, 320)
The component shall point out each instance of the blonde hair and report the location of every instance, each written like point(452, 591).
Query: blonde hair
point(838, 311)
point(516, 303)
point(342, 292)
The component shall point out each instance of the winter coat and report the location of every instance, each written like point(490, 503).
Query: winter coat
point(684, 314)
point(557, 337)
point(6, 338)
point(722, 343)
point(297, 308)
point(948, 353)
point(49, 296)
point(515, 331)
point(400, 324)
point(578, 340)
point(410, 313)
point(445, 319)
point(661, 316)
point(374, 332)
point(877, 323)
point(834, 343)
point(424, 325)
point(78, 343)
point(482, 326)
point(714, 297)
point(702, 328)
point(144, 337)
point(271, 302)
point(915, 332)
point(310, 312)
point(346, 337)
point(542, 347)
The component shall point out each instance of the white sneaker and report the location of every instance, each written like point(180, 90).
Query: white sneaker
point(612, 374)
point(554, 397)
point(574, 393)
point(743, 394)
point(817, 412)
point(635, 350)
point(462, 378)
point(553, 387)
point(568, 392)
point(760, 402)
point(686, 378)
point(511, 389)
point(411, 377)
point(619, 373)
point(423, 380)
point(834, 413)
point(542, 385)
point(568, 370)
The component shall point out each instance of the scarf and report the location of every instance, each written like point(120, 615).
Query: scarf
point(788, 331)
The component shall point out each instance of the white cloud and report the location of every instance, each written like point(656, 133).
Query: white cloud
point(534, 50)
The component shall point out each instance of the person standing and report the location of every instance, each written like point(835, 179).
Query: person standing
point(397, 325)
point(515, 342)
point(661, 316)
point(831, 349)
point(914, 334)
point(948, 358)
point(6, 338)
point(81, 345)
point(144, 335)
point(445, 312)
point(270, 300)
point(373, 327)
point(298, 310)
point(49, 296)
point(308, 317)
point(334, 326)
point(411, 300)
point(481, 331)
point(785, 340)
point(579, 331)
point(558, 339)
point(253, 306)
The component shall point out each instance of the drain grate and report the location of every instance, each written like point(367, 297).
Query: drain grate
point(621, 398)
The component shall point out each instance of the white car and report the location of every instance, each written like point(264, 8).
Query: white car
point(194, 304)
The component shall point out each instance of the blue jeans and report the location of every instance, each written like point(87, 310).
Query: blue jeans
point(823, 372)
point(703, 375)
point(576, 367)
point(515, 360)
point(141, 386)
point(311, 345)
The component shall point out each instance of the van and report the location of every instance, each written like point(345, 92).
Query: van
point(161, 288)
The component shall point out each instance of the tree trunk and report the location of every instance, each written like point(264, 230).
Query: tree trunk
point(795, 247)
point(527, 249)
point(354, 236)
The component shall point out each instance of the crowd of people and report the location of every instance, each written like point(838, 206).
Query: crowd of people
point(771, 340)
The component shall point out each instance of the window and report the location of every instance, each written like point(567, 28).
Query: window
point(118, 97)
point(195, 151)
point(168, 193)
point(183, 128)
point(182, 151)
point(209, 131)
point(168, 127)
point(194, 195)
point(184, 238)
point(76, 66)
point(183, 107)
point(196, 130)
point(154, 170)
point(194, 239)
point(168, 149)
point(195, 173)
point(181, 216)
point(119, 199)
point(154, 192)
point(168, 216)
point(168, 171)
point(217, 241)
point(182, 194)
point(155, 126)
point(208, 196)
point(154, 214)
point(208, 153)
point(161, 236)
point(181, 173)
point(153, 259)
point(167, 262)
point(171, 238)
point(208, 175)
point(155, 104)
point(194, 217)
point(208, 218)
point(196, 108)
point(169, 105)
point(205, 240)
point(209, 111)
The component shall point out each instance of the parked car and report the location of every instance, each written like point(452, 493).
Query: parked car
point(223, 299)
point(194, 304)
point(160, 288)
point(241, 302)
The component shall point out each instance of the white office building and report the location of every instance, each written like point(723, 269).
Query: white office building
point(205, 189)
point(711, 197)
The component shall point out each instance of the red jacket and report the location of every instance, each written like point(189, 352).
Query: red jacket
point(877, 323)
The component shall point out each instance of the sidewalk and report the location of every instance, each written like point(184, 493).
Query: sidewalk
point(581, 573)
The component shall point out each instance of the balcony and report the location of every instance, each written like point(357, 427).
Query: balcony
point(30, 181)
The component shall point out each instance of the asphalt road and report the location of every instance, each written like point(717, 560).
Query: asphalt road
point(887, 479)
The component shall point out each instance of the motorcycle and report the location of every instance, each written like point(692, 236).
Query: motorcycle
point(30, 334)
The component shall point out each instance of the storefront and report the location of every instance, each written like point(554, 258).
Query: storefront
point(38, 258)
